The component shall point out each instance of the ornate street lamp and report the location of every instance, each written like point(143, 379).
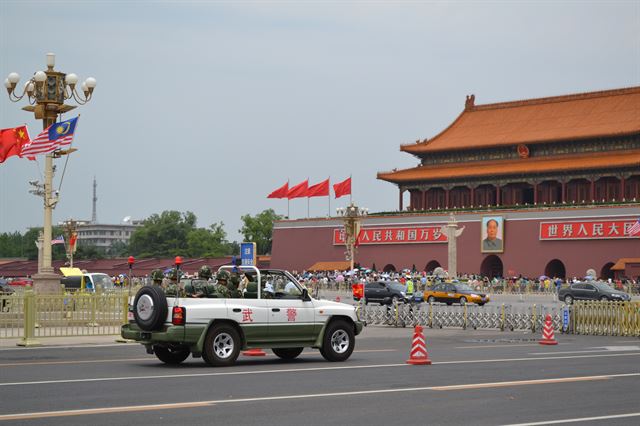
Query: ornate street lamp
point(352, 216)
point(46, 92)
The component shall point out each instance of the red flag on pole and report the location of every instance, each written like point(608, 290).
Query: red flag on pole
point(319, 190)
point(11, 141)
point(299, 191)
point(280, 192)
point(342, 188)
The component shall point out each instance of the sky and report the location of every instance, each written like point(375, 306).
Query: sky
point(208, 106)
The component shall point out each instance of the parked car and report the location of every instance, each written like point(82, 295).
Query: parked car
point(385, 292)
point(21, 282)
point(591, 290)
point(450, 293)
point(6, 289)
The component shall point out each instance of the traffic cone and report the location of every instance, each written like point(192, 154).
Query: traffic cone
point(548, 337)
point(419, 355)
point(254, 352)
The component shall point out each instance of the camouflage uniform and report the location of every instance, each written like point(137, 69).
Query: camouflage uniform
point(174, 289)
point(232, 286)
point(221, 285)
point(200, 287)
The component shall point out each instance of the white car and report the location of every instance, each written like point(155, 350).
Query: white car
point(285, 319)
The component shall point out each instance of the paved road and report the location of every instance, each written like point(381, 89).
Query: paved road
point(481, 377)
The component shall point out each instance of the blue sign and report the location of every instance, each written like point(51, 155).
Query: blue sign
point(248, 254)
point(565, 319)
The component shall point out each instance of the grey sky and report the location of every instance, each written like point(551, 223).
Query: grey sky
point(209, 106)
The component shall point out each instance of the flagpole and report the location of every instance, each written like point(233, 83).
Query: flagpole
point(329, 196)
point(288, 217)
point(351, 189)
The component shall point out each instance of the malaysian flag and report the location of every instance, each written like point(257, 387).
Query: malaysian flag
point(635, 228)
point(58, 240)
point(56, 136)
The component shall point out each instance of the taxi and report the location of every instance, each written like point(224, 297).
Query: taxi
point(450, 293)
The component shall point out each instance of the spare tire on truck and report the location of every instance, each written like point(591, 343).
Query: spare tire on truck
point(150, 308)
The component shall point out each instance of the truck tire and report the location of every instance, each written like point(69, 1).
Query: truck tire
point(338, 341)
point(287, 353)
point(222, 345)
point(171, 354)
point(150, 308)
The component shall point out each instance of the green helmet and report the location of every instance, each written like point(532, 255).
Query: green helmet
point(157, 275)
point(205, 272)
point(222, 275)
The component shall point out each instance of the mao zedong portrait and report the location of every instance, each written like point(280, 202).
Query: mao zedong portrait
point(491, 242)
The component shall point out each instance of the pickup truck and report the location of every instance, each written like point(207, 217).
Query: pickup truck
point(274, 312)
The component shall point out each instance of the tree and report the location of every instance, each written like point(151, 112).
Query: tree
point(172, 233)
point(210, 242)
point(259, 229)
point(163, 235)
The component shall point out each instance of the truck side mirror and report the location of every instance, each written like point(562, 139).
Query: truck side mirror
point(305, 295)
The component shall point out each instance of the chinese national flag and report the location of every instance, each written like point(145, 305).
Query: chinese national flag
point(11, 141)
point(299, 191)
point(280, 192)
point(319, 190)
point(342, 188)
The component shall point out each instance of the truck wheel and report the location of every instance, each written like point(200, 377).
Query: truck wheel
point(150, 308)
point(171, 354)
point(338, 341)
point(287, 353)
point(222, 345)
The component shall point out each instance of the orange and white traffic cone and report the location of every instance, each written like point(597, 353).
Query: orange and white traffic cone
point(254, 352)
point(419, 355)
point(548, 337)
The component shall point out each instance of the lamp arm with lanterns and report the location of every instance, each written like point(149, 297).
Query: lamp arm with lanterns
point(46, 93)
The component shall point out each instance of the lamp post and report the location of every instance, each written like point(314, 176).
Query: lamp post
point(352, 216)
point(46, 92)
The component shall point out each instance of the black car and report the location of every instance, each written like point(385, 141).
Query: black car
point(592, 290)
point(385, 292)
point(6, 289)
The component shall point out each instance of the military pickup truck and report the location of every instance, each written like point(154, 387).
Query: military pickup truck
point(274, 312)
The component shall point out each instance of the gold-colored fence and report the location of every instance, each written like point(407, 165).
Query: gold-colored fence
point(606, 318)
point(30, 315)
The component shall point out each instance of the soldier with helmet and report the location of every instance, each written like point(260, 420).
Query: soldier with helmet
point(222, 278)
point(157, 276)
point(173, 289)
point(232, 286)
point(200, 287)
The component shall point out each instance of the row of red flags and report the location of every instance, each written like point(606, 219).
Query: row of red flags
point(303, 190)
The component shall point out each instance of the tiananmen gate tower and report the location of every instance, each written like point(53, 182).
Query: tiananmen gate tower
point(559, 178)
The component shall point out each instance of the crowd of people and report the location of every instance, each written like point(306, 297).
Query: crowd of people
point(338, 280)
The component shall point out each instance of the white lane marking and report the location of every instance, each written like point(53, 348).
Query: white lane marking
point(586, 352)
point(303, 370)
point(504, 345)
point(104, 410)
point(620, 348)
point(88, 346)
point(97, 361)
point(77, 361)
point(576, 420)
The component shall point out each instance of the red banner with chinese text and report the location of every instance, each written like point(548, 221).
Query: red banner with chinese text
point(586, 230)
point(404, 235)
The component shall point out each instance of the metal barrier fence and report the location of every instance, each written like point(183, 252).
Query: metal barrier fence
point(30, 315)
point(606, 318)
point(502, 317)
